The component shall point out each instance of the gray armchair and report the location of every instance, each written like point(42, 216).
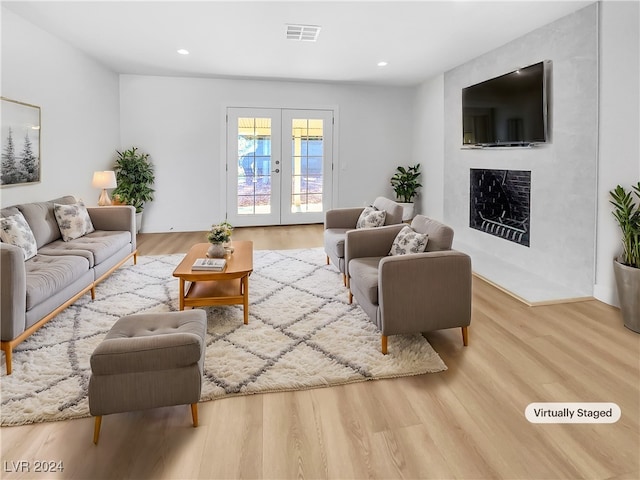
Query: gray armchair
point(339, 220)
point(418, 292)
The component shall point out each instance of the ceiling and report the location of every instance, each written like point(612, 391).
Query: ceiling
point(243, 39)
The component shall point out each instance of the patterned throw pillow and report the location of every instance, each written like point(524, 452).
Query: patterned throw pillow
point(15, 230)
point(73, 220)
point(371, 217)
point(409, 241)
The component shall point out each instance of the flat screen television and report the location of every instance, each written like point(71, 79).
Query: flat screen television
point(509, 110)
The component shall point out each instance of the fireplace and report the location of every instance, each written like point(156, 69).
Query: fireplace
point(500, 202)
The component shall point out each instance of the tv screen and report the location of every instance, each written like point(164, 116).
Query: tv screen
point(509, 110)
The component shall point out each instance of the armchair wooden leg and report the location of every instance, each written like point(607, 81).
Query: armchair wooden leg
point(344, 279)
point(96, 429)
point(384, 344)
point(328, 262)
point(350, 297)
point(194, 414)
point(465, 336)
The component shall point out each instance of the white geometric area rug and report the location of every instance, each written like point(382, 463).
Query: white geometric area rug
point(302, 333)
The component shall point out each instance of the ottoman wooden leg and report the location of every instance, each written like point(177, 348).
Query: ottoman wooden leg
point(194, 414)
point(96, 429)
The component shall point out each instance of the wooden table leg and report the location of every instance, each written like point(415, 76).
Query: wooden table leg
point(245, 298)
point(182, 294)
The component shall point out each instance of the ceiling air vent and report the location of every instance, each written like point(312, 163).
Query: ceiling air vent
point(303, 33)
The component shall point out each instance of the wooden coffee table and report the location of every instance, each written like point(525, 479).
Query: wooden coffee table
point(228, 287)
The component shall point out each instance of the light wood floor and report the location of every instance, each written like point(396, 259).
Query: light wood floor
point(467, 422)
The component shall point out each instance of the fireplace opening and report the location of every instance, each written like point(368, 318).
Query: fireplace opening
point(499, 203)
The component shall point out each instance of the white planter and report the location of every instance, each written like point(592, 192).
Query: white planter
point(407, 211)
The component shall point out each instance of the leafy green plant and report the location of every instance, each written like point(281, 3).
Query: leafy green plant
point(135, 177)
point(627, 213)
point(405, 183)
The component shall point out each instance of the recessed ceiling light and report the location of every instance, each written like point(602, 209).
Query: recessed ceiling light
point(383, 64)
point(182, 51)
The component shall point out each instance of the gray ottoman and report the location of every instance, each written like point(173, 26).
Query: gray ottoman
point(148, 360)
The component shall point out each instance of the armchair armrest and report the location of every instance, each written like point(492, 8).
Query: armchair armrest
point(424, 291)
point(342, 217)
point(13, 293)
point(117, 217)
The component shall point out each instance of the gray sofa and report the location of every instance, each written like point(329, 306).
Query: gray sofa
point(37, 289)
point(410, 293)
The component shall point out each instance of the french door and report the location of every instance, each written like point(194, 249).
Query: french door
point(279, 165)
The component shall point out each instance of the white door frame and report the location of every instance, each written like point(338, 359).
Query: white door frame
point(281, 165)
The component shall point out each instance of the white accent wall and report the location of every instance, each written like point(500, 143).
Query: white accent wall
point(619, 146)
point(78, 98)
point(615, 25)
point(428, 139)
point(180, 122)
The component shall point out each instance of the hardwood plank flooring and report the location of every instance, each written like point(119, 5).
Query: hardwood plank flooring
point(467, 422)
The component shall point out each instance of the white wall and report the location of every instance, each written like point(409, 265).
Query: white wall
point(180, 123)
point(619, 141)
point(79, 110)
point(563, 172)
point(619, 124)
point(428, 140)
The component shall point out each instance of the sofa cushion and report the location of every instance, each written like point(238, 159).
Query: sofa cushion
point(15, 230)
point(371, 217)
point(96, 246)
point(73, 220)
point(47, 275)
point(364, 276)
point(408, 241)
point(41, 219)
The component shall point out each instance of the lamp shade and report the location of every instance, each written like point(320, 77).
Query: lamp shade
point(106, 179)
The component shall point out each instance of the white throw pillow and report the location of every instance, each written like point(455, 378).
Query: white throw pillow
point(409, 241)
point(73, 220)
point(16, 231)
point(371, 217)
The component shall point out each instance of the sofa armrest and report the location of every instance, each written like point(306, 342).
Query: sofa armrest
point(424, 291)
point(115, 218)
point(13, 294)
point(342, 217)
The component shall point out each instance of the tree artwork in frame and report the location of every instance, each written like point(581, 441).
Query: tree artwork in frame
point(20, 143)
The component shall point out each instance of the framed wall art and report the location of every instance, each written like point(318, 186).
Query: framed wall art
point(20, 135)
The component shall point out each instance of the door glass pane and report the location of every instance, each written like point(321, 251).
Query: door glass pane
point(306, 165)
point(254, 166)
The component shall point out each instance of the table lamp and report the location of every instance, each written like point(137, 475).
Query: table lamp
point(104, 180)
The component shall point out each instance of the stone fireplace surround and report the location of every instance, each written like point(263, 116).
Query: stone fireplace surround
point(559, 264)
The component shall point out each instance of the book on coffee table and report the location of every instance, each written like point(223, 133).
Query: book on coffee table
point(213, 264)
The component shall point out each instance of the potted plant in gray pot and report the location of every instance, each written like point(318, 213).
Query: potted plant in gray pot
point(135, 178)
point(627, 266)
point(405, 185)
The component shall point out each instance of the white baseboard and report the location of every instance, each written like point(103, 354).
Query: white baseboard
point(606, 294)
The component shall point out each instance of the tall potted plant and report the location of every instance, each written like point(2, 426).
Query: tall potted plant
point(405, 185)
point(135, 178)
point(627, 265)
